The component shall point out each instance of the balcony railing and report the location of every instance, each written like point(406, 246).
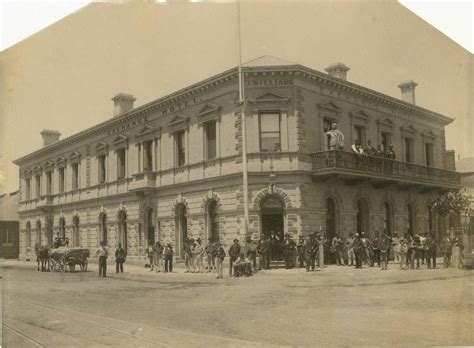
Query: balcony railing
point(143, 181)
point(383, 168)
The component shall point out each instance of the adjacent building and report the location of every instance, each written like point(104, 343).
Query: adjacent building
point(9, 226)
point(172, 168)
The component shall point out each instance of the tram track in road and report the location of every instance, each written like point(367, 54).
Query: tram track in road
point(76, 314)
point(173, 333)
point(51, 331)
point(24, 336)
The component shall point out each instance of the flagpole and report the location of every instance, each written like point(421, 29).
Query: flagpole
point(243, 105)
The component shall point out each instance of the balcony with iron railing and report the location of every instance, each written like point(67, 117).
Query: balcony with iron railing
point(380, 170)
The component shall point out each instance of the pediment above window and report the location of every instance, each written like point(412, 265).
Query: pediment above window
point(101, 148)
point(271, 97)
point(209, 112)
point(385, 123)
point(428, 135)
point(75, 157)
point(178, 122)
point(120, 141)
point(360, 117)
point(48, 165)
point(408, 129)
point(37, 169)
point(147, 132)
point(330, 107)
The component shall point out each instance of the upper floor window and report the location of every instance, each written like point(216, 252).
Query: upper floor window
point(179, 139)
point(61, 179)
point(28, 188)
point(359, 132)
point(429, 154)
point(121, 164)
point(386, 140)
point(38, 185)
point(148, 155)
point(102, 168)
point(49, 182)
point(8, 236)
point(409, 150)
point(210, 139)
point(270, 131)
point(75, 176)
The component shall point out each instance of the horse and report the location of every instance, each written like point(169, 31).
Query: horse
point(42, 256)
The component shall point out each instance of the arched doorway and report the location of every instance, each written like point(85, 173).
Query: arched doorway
point(411, 219)
point(362, 217)
point(75, 231)
point(62, 228)
point(149, 227)
point(212, 221)
point(38, 232)
point(181, 223)
point(273, 225)
point(103, 228)
point(122, 229)
point(387, 218)
point(28, 234)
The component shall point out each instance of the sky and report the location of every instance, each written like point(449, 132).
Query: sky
point(22, 18)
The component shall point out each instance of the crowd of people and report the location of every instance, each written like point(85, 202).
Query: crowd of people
point(370, 150)
point(315, 251)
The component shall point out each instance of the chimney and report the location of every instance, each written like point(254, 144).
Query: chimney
point(49, 136)
point(122, 103)
point(338, 70)
point(408, 91)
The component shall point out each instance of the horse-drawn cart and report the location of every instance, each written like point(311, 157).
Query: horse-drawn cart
point(64, 258)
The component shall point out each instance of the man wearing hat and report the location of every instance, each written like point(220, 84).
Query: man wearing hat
point(350, 249)
point(263, 250)
point(415, 252)
point(311, 252)
point(432, 248)
point(234, 253)
point(250, 249)
point(220, 256)
point(384, 246)
point(301, 249)
point(358, 247)
point(210, 251)
point(187, 254)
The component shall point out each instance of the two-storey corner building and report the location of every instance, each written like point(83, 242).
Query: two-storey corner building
point(173, 167)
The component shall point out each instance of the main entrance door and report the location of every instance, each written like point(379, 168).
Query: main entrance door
point(273, 226)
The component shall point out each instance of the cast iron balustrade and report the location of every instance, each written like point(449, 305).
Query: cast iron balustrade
point(352, 164)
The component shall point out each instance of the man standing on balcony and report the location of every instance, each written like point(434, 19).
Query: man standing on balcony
point(370, 150)
point(336, 138)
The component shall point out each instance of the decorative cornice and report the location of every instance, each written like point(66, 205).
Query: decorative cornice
point(231, 75)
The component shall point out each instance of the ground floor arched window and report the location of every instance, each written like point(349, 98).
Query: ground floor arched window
point(362, 216)
point(62, 228)
point(330, 219)
point(149, 227)
point(212, 221)
point(75, 232)
point(28, 234)
point(122, 229)
point(38, 232)
point(411, 228)
point(181, 225)
point(388, 218)
point(103, 228)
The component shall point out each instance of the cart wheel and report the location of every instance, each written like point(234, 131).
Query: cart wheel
point(72, 267)
point(84, 265)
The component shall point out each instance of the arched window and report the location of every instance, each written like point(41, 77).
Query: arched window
point(149, 227)
point(122, 229)
point(62, 228)
point(38, 232)
point(388, 218)
point(330, 219)
point(362, 216)
point(411, 227)
point(181, 223)
point(76, 241)
point(212, 221)
point(28, 234)
point(103, 227)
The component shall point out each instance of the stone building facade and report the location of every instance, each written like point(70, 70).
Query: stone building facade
point(173, 167)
